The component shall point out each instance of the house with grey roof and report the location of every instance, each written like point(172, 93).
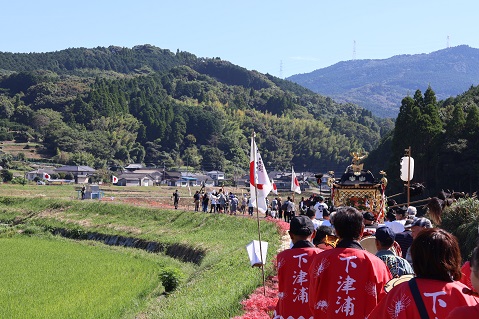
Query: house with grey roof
point(135, 179)
point(81, 173)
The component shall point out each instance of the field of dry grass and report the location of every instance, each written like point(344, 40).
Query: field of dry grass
point(30, 150)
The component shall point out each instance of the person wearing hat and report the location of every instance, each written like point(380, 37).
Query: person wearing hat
point(397, 265)
point(293, 266)
point(369, 226)
point(346, 281)
point(411, 212)
point(401, 215)
point(404, 238)
point(417, 225)
point(397, 225)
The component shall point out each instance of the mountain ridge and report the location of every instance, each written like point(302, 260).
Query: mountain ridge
point(380, 84)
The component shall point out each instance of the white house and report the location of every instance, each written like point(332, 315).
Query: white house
point(132, 179)
point(216, 176)
point(38, 173)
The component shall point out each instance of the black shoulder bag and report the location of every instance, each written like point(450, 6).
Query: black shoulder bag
point(417, 299)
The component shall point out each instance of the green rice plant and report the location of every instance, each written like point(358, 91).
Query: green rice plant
point(212, 288)
point(44, 278)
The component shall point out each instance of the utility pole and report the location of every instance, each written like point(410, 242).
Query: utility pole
point(354, 50)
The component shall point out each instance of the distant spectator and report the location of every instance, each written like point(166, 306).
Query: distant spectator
point(311, 214)
point(417, 225)
point(319, 206)
point(404, 238)
point(176, 199)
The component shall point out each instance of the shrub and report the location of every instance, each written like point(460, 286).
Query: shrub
point(6, 175)
point(19, 180)
point(462, 220)
point(170, 279)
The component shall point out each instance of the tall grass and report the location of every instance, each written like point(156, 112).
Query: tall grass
point(212, 289)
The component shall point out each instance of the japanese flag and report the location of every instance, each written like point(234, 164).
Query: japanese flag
point(258, 178)
point(294, 182)
point(114, 179)
point(275, 189)
point(46, 176)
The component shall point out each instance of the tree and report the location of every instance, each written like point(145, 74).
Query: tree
point(6, 160)
point(456, 125)
point(6, 175)
point(6, 107)
point(192, 157)
point(472, 121)
point(213, 158)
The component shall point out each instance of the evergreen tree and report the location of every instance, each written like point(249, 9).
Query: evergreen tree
point(455, 127)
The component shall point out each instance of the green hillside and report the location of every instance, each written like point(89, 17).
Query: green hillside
point(444, 137)
point(106, 106)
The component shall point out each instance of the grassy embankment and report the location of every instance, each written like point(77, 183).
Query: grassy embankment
point(211, 289)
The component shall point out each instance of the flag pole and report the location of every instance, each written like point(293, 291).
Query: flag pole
point(257, 214)
point(292, 183)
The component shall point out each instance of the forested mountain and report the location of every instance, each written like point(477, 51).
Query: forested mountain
point(379, 85)
point(107, 106)
point(444, 138)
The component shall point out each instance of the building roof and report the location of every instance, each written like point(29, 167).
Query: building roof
point(215, 172)
point(67, 168)
point(134, 176)
point(148, 171)
point(137, 166)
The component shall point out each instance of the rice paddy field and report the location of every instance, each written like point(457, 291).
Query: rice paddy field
point(201, 269)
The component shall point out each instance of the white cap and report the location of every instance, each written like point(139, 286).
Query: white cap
point(411, 210)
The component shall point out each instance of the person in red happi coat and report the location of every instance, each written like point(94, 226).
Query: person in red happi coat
point(293, 265)
point(469, 311)
point(435, 291)
point(346, 281)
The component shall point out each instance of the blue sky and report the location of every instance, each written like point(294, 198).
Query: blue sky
point(277, 37)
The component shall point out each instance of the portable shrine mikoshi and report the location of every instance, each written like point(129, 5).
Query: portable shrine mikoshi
point(358, 188)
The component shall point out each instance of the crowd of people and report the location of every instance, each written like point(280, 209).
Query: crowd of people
point(218, 201)
point(413, 271)
point(343, 264)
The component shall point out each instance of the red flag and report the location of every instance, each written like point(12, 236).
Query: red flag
point(258, 178)
point(275, 189)
point(294, 182)
point(46, 176)
point(114, 179)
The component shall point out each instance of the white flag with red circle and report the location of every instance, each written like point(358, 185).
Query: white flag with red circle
point(294, 182)
point(114, 179)
point(258, 178)
point(46, 176)
point(275, 189)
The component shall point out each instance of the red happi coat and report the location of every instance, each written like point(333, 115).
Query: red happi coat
point(464, 312)
point(346, 283)
point(466, 274)
point(293, 284)
point(439, 297)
